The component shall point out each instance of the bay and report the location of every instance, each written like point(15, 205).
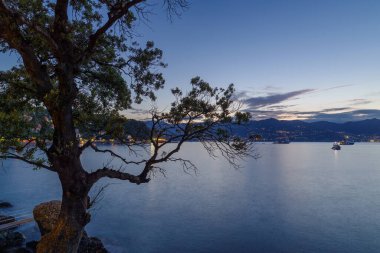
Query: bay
point(300, 197)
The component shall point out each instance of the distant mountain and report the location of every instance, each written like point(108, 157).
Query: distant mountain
point(297, 130)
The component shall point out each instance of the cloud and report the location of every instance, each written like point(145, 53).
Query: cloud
point(272, 88)
point(347, 116)
point(265, 114)
point(337, 87)
point(374, 94)
point(271, 105)
point(322, 115)
point(272, 99)
point(279, 107)
point(359, 101)
point(337, 109)
point(138, 111)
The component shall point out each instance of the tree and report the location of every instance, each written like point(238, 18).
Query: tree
point(76, 57)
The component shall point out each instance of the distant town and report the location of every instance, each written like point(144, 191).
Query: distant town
point(293, 130)
point(296, 130)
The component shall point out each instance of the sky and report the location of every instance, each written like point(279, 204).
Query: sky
point(289, 59)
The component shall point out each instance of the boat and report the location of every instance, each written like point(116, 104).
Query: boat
point(336, 146)
point(346, 142)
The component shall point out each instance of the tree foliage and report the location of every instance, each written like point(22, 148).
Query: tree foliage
point(79, 70)
point(109, 72)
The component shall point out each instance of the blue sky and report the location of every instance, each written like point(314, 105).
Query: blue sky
point(288, 59)
point(305, 58)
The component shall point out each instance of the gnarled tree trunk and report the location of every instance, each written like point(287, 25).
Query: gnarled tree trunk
point(64, 155)
point(66, 235)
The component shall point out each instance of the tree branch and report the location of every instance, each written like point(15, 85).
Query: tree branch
point(23, 20)
point(117, 174)
point(10, 32)
point(96, 149)
point(117, 11)
point(9, 155)
point(61, 18)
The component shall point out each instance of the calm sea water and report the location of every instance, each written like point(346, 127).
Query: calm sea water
point(301, 197)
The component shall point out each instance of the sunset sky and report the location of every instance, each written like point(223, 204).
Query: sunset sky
point(294, 59)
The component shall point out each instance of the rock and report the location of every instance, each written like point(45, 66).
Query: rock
point(91, 245)
point(5, 204)
point(15, 238)
point(17, 250)
point(6, 219)
point(32, 245)
point(46, 215)
point(10, 238)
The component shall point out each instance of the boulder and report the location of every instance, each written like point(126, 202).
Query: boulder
point(5, 204)
point(46, 216)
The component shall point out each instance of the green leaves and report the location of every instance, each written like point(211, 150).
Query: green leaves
point(142, 65)
point(83, 68)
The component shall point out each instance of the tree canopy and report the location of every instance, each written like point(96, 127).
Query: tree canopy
point(82, 53)
point(80, 69)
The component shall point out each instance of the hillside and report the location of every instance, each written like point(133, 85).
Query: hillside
point(297, 130)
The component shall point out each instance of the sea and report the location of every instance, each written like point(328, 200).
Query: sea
point(297, 197)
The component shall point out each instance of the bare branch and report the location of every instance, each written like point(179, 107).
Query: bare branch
point(187, 165)
point(175, 7)
point(113, 154)
point(117, 174)
point(97, 197)
point(9, 155)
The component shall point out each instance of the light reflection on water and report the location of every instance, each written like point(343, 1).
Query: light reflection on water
point(301, 197)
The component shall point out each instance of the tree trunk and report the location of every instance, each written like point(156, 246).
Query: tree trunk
point(65, 158)
point(64, 155)
point(66, 235)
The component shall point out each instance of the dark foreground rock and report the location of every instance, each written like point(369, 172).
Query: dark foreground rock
point(46, 216)
point(32, 246)
point(91, 245)
point(17, 250)
point(5, 204)
point(9, 239)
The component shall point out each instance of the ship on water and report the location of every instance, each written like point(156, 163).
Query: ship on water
point(346, 142)
point(335, 146)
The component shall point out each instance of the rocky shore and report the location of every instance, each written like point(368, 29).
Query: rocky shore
point(11, 241)
point(45, 215)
